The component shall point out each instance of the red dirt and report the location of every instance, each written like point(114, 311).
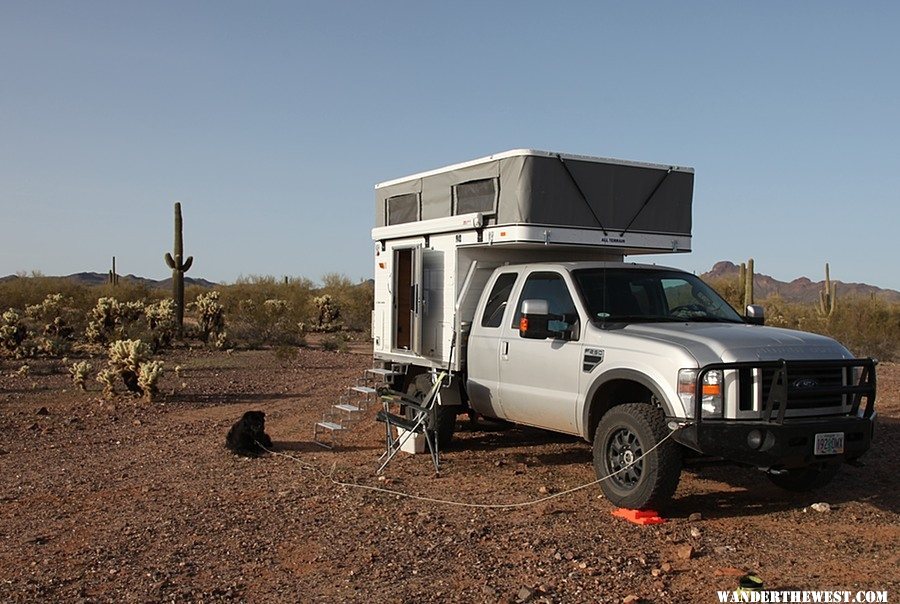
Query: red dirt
point(132, 501)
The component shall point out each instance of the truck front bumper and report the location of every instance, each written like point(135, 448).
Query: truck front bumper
point(786, 445)
point(777, 440)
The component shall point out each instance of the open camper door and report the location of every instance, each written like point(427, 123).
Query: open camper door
point(409, 298)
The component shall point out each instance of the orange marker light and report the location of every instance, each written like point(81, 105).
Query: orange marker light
point(523, 324)
point(712, 389)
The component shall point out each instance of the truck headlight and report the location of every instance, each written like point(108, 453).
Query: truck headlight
point(712, 401)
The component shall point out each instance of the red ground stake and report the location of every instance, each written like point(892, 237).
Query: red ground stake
point(641, 517)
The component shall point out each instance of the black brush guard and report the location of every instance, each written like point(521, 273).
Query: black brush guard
point(777, 441)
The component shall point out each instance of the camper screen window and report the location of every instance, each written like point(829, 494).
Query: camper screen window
point(403, 208)
point(476, 196)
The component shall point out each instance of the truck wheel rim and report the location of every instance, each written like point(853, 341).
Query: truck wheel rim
point(622, 448)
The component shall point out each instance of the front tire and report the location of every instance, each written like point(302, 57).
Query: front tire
point(624, 434)
point(810, 478)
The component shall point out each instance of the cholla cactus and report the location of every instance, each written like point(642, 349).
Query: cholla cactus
point(211, 316)
point(125, 359)
point(148, 378)
point(111, 317)
point(276, 307)
point(51, 306)
point(12, 330)
point(107, 377)
point(162, 323)
point(129, 312)
point(328, 314)
point(80, 372)
point(102, 320)
point(221, 341)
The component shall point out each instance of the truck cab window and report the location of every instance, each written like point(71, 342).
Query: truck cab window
point(497, 301)
point(552, 288)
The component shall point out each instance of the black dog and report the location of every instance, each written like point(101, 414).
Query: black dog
point(247, 434)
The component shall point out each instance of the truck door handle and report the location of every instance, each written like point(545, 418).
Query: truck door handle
point(504, 348)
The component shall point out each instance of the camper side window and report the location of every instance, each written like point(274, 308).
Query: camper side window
point(475, 196)
point(498, 300)
point(402, 208)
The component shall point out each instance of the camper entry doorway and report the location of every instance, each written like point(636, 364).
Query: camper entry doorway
point(408, 299)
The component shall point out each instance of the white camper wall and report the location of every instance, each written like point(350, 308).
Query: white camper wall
point(437, 297)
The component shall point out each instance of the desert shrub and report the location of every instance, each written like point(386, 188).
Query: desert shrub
point(355, 300)
point(334, 343)
point(80, 372)
point(263, 310)
point(210, 316)
point(286, 354)
point(731, 289)
point(867, 326)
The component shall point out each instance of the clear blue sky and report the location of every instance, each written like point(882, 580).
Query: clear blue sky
point(272, 122)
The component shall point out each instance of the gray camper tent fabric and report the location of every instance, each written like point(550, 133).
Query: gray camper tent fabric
point(549, 190)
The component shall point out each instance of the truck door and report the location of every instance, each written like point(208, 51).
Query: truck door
point(483, 350)
point(408, 298)
point(539, 378)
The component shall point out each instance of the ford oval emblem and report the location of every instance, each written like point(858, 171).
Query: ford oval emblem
point(806, 383)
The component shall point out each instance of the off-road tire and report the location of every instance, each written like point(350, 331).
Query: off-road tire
point(445, 415)
point(625, 433)
point(810, 478)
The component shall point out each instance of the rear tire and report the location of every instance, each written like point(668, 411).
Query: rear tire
point(445, 415)
point(810, 478)
point(624, 434)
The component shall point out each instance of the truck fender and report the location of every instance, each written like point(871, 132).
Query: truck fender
point(620, 374)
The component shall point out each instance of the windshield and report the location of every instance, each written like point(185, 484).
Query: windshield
point(640, 295)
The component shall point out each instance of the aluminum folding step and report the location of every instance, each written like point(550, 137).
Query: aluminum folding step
point(327, 426)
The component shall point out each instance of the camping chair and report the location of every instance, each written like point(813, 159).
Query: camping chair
point(423, 416)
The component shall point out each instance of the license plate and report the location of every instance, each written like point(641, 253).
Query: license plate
point(829, 443)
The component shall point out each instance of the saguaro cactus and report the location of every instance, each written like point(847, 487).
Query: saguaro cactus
point(179, 268)
point(828, 296)
point(747, 277)
point(113, 275)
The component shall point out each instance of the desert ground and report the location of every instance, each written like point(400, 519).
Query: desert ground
point(130, 501)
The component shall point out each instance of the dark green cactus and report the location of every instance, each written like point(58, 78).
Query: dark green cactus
point(113, 275)
point(179, 268)
point(828, 296)
point(747, 278)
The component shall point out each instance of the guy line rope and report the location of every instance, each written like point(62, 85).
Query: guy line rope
point(465, 504)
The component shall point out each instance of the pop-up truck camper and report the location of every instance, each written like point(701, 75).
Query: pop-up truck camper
point(506, 277)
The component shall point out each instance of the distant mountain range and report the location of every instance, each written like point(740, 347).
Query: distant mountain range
point(801, 289)
point(103, 279)
point(798, 290)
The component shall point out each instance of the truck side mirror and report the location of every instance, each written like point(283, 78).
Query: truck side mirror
point(535, 320)
point(755, 314)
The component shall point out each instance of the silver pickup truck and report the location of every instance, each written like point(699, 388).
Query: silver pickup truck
point(507, 275)
point(625, 354)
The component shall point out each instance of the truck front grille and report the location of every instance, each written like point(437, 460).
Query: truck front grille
point(801, 381)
